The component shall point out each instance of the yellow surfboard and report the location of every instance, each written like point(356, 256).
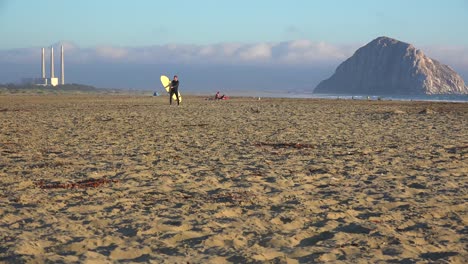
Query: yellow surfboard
point(166, 82)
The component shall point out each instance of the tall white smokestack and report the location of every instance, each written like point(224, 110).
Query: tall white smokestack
point(52, 75)
point(62, 77)
point(43, 64)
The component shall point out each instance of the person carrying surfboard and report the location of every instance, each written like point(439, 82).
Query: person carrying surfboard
point(174, 89)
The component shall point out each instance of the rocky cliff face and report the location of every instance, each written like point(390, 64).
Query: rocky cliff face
point(387, 66)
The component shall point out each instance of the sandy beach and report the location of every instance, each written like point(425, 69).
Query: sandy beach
point(114, 178)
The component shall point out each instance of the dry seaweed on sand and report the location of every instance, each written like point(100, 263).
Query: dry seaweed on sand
point(89, 183)
point(285, 145)
point(196, 125)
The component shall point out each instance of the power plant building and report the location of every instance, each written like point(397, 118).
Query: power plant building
point(52, 80)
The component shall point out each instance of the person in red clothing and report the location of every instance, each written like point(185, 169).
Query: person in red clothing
point(219, 97)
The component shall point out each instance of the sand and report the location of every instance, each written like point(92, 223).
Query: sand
point(99, 179)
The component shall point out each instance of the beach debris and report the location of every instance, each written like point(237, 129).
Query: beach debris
point(195, 125)
point(13, 110)
point(427, 111)
point(104, 118)
point(348, 245)
point(89, 183)
point(285, 145)
point(398, 112)
point(255, 110)
point(393, 113)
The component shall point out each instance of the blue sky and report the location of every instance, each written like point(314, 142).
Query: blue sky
point(147, 22)
point(278, 40)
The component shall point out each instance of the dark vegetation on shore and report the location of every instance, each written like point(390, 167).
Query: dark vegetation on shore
point(11, 88)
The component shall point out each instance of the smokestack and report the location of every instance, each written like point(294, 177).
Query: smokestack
point(52, 75)
point(43, 64)
point(62, 77)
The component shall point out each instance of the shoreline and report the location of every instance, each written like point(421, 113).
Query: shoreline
point(234, 97)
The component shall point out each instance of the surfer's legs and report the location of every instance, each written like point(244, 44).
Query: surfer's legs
point(170, 96)
point(177, 96)
point(176, 92)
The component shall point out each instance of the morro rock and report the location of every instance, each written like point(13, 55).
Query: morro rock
point(387, 66)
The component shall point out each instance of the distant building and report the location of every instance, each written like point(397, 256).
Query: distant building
point(52, 81)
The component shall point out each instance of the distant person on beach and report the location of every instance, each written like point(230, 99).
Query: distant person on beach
point(174, 89)
point(219, 97)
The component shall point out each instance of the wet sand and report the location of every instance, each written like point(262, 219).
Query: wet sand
point(101, 179)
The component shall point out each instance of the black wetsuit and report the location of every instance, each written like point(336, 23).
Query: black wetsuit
point(174, 90)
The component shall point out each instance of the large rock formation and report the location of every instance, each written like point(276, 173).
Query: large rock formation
point(387, 66)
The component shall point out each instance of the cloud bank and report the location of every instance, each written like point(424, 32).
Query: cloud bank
point(298, 64)
point(299, 52)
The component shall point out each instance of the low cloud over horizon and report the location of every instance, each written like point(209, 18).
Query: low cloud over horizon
point(301, 52)
point(297, 64)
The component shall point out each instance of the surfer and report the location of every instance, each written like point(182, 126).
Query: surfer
point(174, 89)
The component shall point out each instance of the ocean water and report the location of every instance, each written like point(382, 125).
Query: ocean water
point(432, 98)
